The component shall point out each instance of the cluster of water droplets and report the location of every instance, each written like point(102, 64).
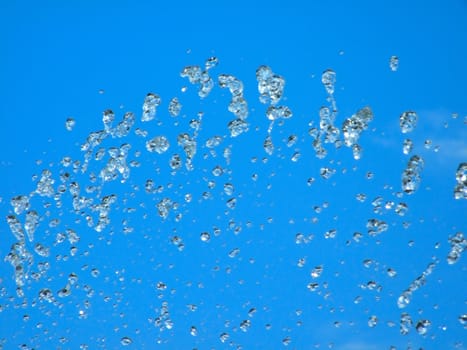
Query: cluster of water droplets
point(406, 296)
point(271, 88)
point(94, 206)
point(238, 105)
point(353, 127)
point(200, 76)
point(458, 245)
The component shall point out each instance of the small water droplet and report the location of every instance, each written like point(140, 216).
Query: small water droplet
point(70, 124)
point(394, 63)
point(372, 321)
point(205, 236)
point(126, 341)
point(408, 121)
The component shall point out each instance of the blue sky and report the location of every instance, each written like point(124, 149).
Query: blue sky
point(78, 59)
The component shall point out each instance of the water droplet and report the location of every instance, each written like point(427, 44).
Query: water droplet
point(394, 63)
point(175, 162)
point(460, 190)
point(295, 157)
point(64, 292)
point(411, 176)
point(237, 127)
point(408, 121)
point(328, 78)
point(463, 319)
point(407, 146)
point(217, 171)
point(268, 145)
point(422, 326)
point(245, 325)
point(224, 337)
point(158, 144)
point(405, 323)
point(280, 112)
point(372, 321)
point(375, 226)
point(228, 189)
point(458, 246)
point(427, 144)
point(330, 234)
point(353, 126)
point(41, 250)
point(291, 140)
point(326, 172)
point(401, 209)
point(205, 236)
point(31, 223)
point(151, 102)
point(231, 203)
point(211, 62)
point(317, 271)
point(270, 85)
point(46, 294)
point(175, 107)
point(70, 124)
point(126, 341)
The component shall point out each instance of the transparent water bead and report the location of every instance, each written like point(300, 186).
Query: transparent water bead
point(458, 245)
point(15, 227)
point(125, 341)
point(403, 300)
point(159, 144)
point(460, 189)
point(197, 76)
point(151, 102)
point(211, 62)
point(372, 321)
point(45, 184)
point(316, 271)
point(46, 294)
point(422, 326)
point(328, 78)
point(353, 126)
point(274, 113)
point(327, 172)
point(237, 127)
point(108, 118)
point(268, 145)
point(375, 226)
point(230, 82)
point(394, 63)
point(175, 107)
point(411, 176)
point(407, 146)
point(31, 223)
point(408, 121)
point(205, 236)
point(224, 337)
point(405, 323)
point(270, 85)
point(70, 124)
point(41, 250)
point(463, 320)
point(20, 204)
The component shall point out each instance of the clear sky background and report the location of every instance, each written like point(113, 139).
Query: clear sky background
point(244, 284)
